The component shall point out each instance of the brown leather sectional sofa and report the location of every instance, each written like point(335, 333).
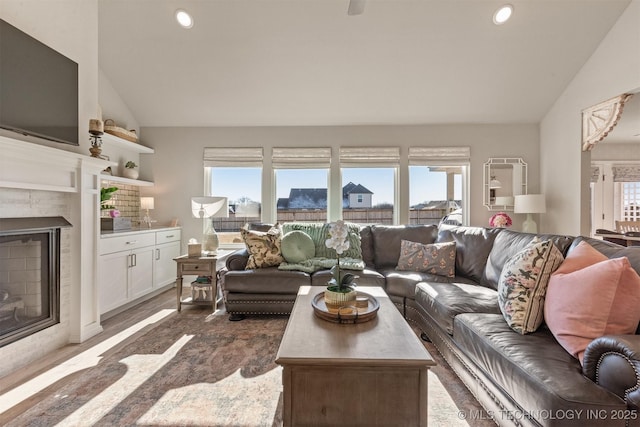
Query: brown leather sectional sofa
point(521, 380)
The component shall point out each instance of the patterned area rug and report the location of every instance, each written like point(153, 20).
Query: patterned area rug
point(200, 370)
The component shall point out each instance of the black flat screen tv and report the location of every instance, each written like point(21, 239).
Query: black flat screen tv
point(38, 88)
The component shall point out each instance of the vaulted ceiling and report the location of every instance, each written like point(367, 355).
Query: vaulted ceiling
point(306, 62)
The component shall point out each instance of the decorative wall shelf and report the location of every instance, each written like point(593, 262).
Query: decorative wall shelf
point(137, 182)
point(123, 143)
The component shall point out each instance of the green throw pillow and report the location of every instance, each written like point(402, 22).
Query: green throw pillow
point(297, 246)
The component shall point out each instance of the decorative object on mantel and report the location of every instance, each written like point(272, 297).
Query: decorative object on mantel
point(130, 170)
point(210, 207)
point(147, 203)
point(96, 129)
point(599, 120)
point(110, 127)
point(530, 204)
point(106, 194)
point(339, 290)
point(500, 220)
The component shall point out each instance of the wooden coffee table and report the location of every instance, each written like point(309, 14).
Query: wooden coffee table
point(364, 374)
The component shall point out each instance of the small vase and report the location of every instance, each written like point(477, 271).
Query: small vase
point(130, 173)
point(334, 299)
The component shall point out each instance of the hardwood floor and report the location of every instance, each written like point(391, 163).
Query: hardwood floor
point(111, 327)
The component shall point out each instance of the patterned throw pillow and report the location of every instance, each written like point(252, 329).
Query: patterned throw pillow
point(523, 284)
point(263, 247)
point(434, 258)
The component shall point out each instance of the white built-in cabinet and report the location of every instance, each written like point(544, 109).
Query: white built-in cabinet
point(135, 265)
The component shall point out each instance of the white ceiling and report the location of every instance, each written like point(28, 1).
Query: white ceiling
point(306, 62)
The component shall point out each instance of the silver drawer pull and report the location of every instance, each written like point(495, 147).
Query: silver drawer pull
point(133, 242)
point(168, 237)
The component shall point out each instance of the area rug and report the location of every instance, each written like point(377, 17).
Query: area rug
point(194, 369)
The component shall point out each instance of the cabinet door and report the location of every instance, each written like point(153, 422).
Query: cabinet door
point(141, 273)
point(113, 277)
point(164, 267)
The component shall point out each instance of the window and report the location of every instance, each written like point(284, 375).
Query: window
point(434, 192)
point(301, 178)
point(235, 173)
point(630, 201)
point(437, 183)
point(369, 184)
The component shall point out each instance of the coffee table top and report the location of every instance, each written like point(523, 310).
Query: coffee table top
point(387, 340)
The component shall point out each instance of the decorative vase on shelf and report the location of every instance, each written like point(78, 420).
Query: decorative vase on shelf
point(130, 170)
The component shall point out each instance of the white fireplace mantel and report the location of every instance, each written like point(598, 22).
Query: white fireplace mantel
point(30, 166)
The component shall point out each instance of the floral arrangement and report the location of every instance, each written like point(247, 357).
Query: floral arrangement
point(338, 233)
point(500, 220)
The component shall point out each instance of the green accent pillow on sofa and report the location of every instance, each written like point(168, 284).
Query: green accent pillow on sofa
point(297, 246)
point(319, 233)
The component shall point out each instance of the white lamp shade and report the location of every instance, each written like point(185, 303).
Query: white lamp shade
point(207, 207)
point(146, 202)
point(530, 203)
point(494, 183)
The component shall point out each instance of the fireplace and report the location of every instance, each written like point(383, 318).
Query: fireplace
point(29, 275)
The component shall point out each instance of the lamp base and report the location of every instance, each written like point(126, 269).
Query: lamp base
point(210, 241)
point(529, 225)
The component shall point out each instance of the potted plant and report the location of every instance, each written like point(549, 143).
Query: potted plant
point(340, 289)
point(130, 170)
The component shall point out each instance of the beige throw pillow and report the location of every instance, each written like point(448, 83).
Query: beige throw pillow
point(434, 258)
point(263, 247)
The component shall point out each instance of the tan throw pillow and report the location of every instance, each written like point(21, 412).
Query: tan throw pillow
point(263, 247)
point(434, 258)
point(523, 284)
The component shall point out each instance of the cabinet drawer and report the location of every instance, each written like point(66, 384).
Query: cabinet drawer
point(122, 243)
point(199, 269)
point(167, 236)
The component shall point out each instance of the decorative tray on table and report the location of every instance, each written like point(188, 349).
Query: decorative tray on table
point(366, 309)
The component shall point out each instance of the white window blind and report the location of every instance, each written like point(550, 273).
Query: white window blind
point(301, 158)
point(438, 155)
point(626, 173)
point(233, 157)
point(369, 156)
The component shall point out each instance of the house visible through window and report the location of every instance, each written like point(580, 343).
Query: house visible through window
point(630, 201)
point(301, 195)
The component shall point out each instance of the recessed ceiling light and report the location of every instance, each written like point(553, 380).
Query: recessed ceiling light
point(503, 14)
point(184, 19)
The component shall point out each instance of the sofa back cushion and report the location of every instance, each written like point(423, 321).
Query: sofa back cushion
point(319, 233)
point(473, 245)
point(366, 243)
point(387, 239)
point(507, 244)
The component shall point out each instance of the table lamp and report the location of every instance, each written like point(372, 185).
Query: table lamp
point(210, 207)
point(147, 203)
point(529, 204)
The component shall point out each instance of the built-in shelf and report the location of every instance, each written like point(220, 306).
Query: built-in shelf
point(123, 143)
point(137, 182)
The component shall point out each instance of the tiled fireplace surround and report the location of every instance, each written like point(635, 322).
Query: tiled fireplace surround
point(39, 181)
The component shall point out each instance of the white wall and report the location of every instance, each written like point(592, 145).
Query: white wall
point(177, 167)
point(613, 69)
point(113, 107)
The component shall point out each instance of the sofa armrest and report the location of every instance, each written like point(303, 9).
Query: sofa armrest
point(237, 260)
point(613, 362)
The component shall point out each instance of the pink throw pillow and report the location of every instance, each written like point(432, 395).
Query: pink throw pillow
point(590, 296)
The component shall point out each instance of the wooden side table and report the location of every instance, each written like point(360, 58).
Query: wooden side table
point(196, 266)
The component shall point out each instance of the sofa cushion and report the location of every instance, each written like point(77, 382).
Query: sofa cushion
point(473, 245)
point(387, 238)
point(366, 243)
point(435, 258)
point(263, 247)
point(444, 301)
point(523, 285)
point(507, 243)
point(319, 232)
point(533, 369)
point(591, 296)
point(265, 280)
point(314, 264)
point(297, 246)
point(403, 283)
